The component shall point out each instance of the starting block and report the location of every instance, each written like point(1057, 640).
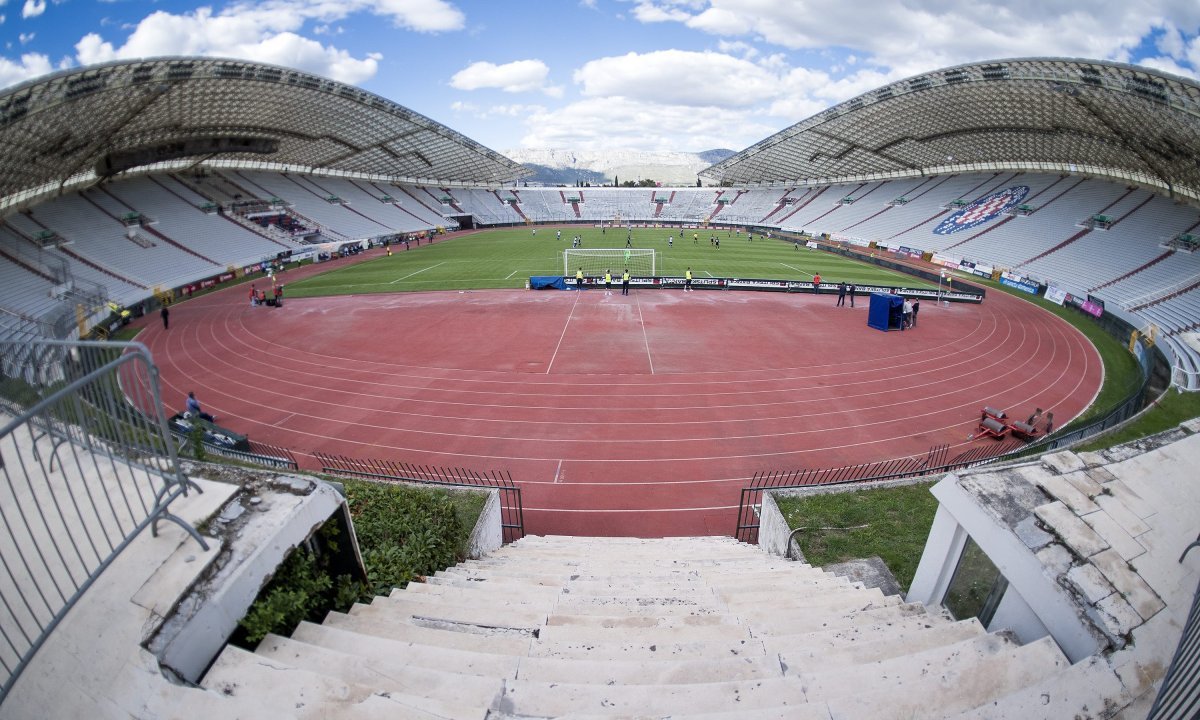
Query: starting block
point(996, 424)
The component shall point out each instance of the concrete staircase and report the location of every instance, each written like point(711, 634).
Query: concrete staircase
point(620, 627)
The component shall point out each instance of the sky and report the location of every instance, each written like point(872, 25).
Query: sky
point(655, 75)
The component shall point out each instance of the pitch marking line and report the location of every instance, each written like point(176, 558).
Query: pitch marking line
point(418, 272)
point(564, 332)
point(514, 272)
point(645, 337)
point(796, 269)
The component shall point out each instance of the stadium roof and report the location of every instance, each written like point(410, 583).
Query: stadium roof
point(1038, 114)
point(76, 126)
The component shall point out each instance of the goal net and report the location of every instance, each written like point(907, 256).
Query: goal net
point(595, 261)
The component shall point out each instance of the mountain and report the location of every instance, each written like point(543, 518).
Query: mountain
point(566, 167)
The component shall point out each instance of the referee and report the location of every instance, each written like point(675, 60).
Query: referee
point(625, 282)
point(607, 282)
point(579, 279)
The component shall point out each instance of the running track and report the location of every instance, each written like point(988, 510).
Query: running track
point(641, 415)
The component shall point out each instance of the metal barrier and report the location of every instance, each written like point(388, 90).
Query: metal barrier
point(512, 517)
point(270, 456)
point(88, 464)
point(1179, 696)
point(932, 463)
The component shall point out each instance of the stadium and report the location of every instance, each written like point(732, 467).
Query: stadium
point(352, 290)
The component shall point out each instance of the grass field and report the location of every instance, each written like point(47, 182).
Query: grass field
point(507, 258)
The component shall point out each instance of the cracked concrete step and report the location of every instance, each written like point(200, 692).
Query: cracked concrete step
point(756, 604)
point(268, 683)
point(400, 629)
point(864, 644)
point(696, 600)
point(963, 676)
point(834, 618)
point(624, 649)
point(557, 699)
point(484, 615)
point(383, 675)
point(795, 712)
point(475, 597)
point(647, 672)
point(433, 657)
point(1085, 689)
point(678, 629)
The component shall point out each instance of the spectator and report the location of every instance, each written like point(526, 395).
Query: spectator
point(193, 407)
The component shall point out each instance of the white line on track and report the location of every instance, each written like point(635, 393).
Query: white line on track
point(564, 332)
point(796, 269)
point(558, 472)
point(289, 417)
point(644, 335)
point(418, 272)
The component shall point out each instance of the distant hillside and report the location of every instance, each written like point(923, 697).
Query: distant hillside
point(566, 167)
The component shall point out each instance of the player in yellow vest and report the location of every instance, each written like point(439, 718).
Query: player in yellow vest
point(579, 279)
point(687, 281)
point(625, 282)
point(607, 282)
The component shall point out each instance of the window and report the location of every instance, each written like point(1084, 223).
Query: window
point(977, 586)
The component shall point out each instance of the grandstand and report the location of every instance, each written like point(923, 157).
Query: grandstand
point(1083, 183)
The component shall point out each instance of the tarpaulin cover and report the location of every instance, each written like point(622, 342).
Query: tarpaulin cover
point(547, 282)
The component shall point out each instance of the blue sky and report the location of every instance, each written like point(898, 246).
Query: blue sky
point(664, 75)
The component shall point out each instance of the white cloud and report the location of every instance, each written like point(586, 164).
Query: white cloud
point(30, 66)
point(1169, 65)
point(509, 111)
point(678, 77)
point(251, 32)
point(917, 37)
point(737, 47)
point(419, 15)
point(33, 8)
point(617, 123)
point(513, 77)
point(26, 38)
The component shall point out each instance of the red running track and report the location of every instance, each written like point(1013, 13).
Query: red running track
point(641, 415)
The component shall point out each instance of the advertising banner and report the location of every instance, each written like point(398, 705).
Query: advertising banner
point(1019, 282)
point(1092, 308)
point(1056, 294)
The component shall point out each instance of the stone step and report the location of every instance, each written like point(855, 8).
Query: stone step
point(383, 675)
point(624, 649)
point(847, 647)
point(429, 609)
point(1078, 691)
point(271, 684)
point(518, 597)
point(647, 629)
point(653, 606)
point(758, 604)
point(834, 618)
point(836, 636)
point(537, 699)
point(647, 672)
point(398, 629)
point(957, 678)
point(380, 649)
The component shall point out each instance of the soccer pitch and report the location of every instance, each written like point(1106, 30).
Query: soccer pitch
point(507, 258)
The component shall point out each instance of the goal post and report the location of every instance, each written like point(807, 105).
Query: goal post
point(595, 261)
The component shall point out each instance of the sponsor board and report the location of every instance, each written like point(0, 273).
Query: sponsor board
point(1020, 282)
point(1056, 294)
point(811, 245)
point(944, 261)
point(1092, 308)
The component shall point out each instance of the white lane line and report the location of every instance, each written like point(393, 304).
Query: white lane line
point(558, 472)
point(645, 337)
point(564, 332)
point(708, 273)
point(514, 272)
point(416, 273)
point(796, 269)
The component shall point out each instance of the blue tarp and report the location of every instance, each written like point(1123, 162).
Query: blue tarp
point(547, 282)
point(886, 312)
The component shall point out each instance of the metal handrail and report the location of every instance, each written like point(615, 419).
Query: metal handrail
point(87, 464)
point(1179, 696)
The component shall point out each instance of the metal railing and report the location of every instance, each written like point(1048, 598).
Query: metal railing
point(1179, 696)
point(263, 454)
point(87, 464)
point(933, 462)
point(512, 514)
